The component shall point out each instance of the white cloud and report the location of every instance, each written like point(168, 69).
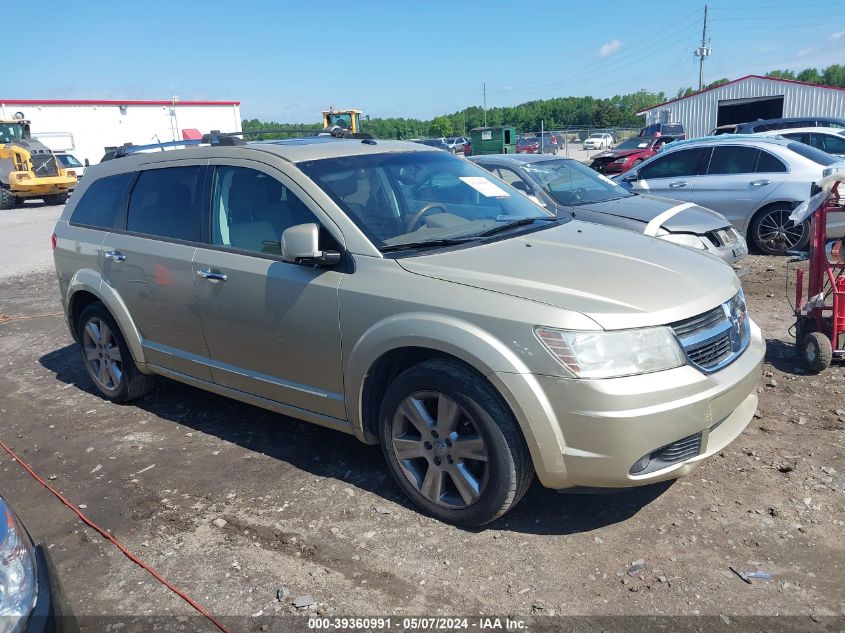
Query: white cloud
point(610, 48)
point(836, 36)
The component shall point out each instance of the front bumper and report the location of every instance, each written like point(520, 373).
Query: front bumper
point(592, 432)
point(728, 253)
point(51, 613)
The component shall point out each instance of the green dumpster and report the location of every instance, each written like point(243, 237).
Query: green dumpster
point(499, 139)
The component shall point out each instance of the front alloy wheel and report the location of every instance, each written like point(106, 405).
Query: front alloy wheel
point(452, 443)
point(439, 450)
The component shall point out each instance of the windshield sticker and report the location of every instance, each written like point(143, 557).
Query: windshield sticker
point(486, 188)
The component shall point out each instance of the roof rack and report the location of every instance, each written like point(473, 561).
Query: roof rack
point(215, 137)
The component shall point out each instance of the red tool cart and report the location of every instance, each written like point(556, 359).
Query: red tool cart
point(820, 313)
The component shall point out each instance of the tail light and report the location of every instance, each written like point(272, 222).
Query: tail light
point(53, 241)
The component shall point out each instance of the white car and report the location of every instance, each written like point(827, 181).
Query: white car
point(828, 139)
point(69, 161)
point(598, 140)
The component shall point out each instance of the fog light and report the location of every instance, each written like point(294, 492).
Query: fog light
point(640, 465)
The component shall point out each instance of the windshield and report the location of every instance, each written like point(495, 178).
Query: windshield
point(10, 132)
point(635, 143)
point(68, 161)
point(412, 197)
point(811, 153)
point(343, 120)
point(596, 135)
point(572, 183)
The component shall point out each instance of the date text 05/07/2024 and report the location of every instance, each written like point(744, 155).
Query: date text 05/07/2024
point(416, 624)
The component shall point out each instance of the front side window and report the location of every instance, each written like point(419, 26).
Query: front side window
point(250, 210)
point(733, 160)
point(412, 197)
point(102, 204)
point(572, 183)
point(675, 165)
point(167, 203)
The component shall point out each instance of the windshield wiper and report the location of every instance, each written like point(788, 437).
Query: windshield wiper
point(407, 246)
point(514, 224)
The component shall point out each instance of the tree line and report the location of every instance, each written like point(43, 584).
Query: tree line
point(557, 113)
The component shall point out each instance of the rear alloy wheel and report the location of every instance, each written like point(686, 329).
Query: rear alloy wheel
point(107, 358)
point(452, 445)
point(774, 233)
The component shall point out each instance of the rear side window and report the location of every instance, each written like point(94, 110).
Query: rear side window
point(768, 164)
point(733, 160)
point(102, 204)
point(829, 143)
point(813, 154)
point(166, 203)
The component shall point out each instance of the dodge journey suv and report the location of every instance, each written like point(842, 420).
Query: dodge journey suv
point(406, 296)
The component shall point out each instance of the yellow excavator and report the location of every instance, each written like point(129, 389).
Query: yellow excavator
point(346, 120)
point(28, 168)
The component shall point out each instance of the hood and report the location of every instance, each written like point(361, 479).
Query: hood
point(645, 208)
point(628, 152)
point(616, 277)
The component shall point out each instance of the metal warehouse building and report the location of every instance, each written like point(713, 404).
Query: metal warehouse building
point(748, 99)
point(89, 128)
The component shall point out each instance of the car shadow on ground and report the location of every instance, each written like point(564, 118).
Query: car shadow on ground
point(327, 453)
point(782, 356)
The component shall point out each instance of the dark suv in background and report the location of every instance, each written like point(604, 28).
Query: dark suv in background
point(767, 125)
point(675, 130)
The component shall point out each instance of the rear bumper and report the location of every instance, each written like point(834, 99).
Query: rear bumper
point(592, 432)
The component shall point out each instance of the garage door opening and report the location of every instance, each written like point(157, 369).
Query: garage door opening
point(745, 110)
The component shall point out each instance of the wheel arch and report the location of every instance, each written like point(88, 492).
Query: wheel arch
point(391, 346)
point(85, 287)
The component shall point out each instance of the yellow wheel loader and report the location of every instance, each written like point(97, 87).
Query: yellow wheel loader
point(346, 120)
point(28, 169)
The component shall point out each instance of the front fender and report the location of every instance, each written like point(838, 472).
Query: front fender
point(470, 343)
point(89, 280)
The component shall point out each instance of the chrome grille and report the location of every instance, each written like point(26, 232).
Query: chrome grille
point(716, 338)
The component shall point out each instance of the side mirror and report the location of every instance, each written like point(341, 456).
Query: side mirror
point(301, 245)
point(520, 185)
point(631, 177)
point(87, 163)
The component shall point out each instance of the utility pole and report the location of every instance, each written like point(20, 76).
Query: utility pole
point(702, 52)
point(484, 92)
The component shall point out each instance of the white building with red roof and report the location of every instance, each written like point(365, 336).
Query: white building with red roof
point(748, 99)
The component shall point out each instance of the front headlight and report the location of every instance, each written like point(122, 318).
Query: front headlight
point(621, 161)
point(17, 573)
point(685, 239)
point(613, 354)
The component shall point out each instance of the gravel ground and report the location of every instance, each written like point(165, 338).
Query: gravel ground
point(247, 510)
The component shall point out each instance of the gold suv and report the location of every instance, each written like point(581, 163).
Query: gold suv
point(410, 298)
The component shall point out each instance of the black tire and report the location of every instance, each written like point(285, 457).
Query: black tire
point(132, 384)
point(764, 223)
point(507, 469)
point(815, 351)
point(636, 163)
point(8, 200)
point(56, 199)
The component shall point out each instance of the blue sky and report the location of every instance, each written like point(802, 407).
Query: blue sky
point(287, 60)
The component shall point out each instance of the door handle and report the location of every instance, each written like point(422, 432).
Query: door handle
point(212, 275)
point(115, 256)
point(759, 183)
point(677, 185)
